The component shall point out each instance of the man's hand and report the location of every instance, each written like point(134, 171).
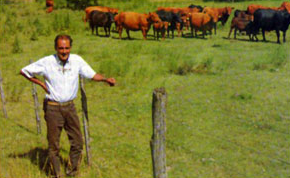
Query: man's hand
point(111, 81)
point(36, 81)
point(100, 78)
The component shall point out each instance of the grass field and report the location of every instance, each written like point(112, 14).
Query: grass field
point(228, 112)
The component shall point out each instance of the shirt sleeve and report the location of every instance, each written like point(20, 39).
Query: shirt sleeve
point(36, 68)
point(85, 70)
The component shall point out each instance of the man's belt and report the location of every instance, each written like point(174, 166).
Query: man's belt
point(54, 103)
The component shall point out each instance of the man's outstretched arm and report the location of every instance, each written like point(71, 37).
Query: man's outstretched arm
point(36, 81)
point(100, 78)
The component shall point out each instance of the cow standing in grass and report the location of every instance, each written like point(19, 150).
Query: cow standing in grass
point(241, 24)
point(90, 9)
point(101, 19)
point(268, 20)
point(173, 20)
point(201, 22)
point(135, 21)
point(160, 27)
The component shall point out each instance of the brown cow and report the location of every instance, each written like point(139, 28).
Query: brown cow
point(185, 13)
point(219, 14)
point(89, 9)
point(202, 22)
point(213, 14)
point(224, 14)
point(285, 6)
point(169, 9)
point(253, 7)
point(241, 24)
point(135, 21)
point(49, 6)
point(160, 27)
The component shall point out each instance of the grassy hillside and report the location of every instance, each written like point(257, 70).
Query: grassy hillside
point(228, 112)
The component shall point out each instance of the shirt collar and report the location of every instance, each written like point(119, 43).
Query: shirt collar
point(59, 61)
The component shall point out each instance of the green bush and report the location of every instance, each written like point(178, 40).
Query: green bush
point(272, 62)
point(204, 66)
point(186, 67)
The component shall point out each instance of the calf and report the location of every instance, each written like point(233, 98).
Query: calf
point(160, 27)
point(243, 14)
point(241, 24)
point(268, 20)
point(172, 18)
point(101, 19)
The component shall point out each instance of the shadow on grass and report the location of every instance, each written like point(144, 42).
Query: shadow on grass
point(39, 157)
point(199, 36)
point(26, 129)
point(102, 36)
point(248, 40)
point(135, 39)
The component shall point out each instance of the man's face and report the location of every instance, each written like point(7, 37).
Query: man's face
point(63, 49)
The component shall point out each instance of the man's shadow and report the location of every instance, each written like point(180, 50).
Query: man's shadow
point(39, 157)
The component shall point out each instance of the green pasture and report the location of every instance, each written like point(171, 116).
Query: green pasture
point(228, 110)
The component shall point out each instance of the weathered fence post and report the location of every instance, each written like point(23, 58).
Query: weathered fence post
point(36, 106)
point(85, 120)
point(3, 97)
point(157, 142)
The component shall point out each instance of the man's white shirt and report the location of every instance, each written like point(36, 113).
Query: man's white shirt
point(62, 81)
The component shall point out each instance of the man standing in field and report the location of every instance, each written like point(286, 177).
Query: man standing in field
point(61, 74)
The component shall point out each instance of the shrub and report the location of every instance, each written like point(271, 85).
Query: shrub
point(279, 57)
point(272, 62)
point(204, 66)
point(186, 67)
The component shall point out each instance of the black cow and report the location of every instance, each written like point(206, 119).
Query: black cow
point(101, 19)
point(268, 20)
point(196, 6)
point(173, 20)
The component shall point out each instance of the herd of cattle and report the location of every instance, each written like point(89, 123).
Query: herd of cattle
point(194, 18)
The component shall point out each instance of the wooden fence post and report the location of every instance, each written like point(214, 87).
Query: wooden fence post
point(3, 97)
point(36, 106)
point(85, 120)
point(157, 142)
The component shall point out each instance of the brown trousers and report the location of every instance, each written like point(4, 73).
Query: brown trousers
point(58, 117)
